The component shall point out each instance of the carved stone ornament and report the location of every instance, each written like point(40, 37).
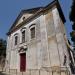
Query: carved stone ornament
point(22, 50)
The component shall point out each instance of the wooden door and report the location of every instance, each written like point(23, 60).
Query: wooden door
point(22, 62)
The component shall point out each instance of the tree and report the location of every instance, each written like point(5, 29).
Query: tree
point(2, 47)
point(72, 34)
point(2, 53)
point(72, 18)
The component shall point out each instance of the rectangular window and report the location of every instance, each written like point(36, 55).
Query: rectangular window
point(16, 40)
point(23, 36)
point(32, 32)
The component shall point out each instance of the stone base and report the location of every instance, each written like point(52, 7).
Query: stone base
point(43, 71)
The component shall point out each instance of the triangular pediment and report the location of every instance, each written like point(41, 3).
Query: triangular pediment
point(24, 14)
point(23, 17)
point(29, 14)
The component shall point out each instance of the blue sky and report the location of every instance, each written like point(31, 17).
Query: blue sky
point(9, 10)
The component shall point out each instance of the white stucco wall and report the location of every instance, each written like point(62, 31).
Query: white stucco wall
point(47, 49)
point(62, 48)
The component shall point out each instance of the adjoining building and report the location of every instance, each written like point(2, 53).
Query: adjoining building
point(36, 42)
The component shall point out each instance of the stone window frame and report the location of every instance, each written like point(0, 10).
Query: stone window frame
point(16, 37)
point(31, 27)
point(23, 37)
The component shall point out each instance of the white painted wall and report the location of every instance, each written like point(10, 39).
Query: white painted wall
point(43, 51)
point(62, 48)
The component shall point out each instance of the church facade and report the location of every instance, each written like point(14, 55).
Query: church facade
point(36, 42)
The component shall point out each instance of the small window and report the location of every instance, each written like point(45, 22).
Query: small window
point(23, 36)
point(32, 32)
point(16, 40)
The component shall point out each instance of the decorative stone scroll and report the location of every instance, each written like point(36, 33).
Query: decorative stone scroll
point(22, 50)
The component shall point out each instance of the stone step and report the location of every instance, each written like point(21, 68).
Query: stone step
point(35, 72)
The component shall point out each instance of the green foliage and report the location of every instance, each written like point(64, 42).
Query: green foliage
point(2, 47)
point(72, 13)
point(72, 18)
point(73, 26)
